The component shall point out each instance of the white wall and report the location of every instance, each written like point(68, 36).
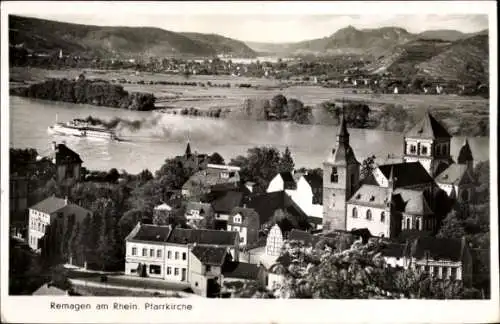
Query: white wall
point(302, 196)
point(173, 263)
point(394, 261)
point(35, 233)
point(276, 184)
point(375, 226)
point(274, 241)
point(240, 229)
point(274, 280)
point(132, 261)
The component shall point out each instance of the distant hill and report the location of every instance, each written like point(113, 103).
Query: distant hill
point(40, 35)
point(448, 34)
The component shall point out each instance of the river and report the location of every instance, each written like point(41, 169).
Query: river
point(165, 136)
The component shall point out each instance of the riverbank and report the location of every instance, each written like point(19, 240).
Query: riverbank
point(178, 96)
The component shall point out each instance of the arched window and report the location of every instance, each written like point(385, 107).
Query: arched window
point(354, 212)
point(333, 201)
point(335, 175)
point(417, 224)
point(369, 214)
point(382, 217)
point(408, 223)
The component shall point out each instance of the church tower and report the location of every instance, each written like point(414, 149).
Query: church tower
point(465, 155)
point(428, 142)
point(340, 178)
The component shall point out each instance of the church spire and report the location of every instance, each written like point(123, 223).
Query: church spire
point(343, 134)
point(465, 154)
point(188, 149)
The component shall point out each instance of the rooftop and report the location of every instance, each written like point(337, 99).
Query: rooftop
point(406, 174)
point(370, 195)
point(428, 128)
point(64, 154)
point(240, 270)
point(412, 202)
point(453, 174)
point(49, 205)
point(202, 236)
point(437, 248)
point(303, 236)
point(227, 201)
point(210, 255)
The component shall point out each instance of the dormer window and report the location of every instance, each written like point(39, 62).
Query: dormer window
point(369, 214)
point(224, 175)
point(358, 196)
point(424, 150)
point(413, 149)
point(372, 198)
point(335, 176)
point(237, 219)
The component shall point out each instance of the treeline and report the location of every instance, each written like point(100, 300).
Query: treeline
point(93, 92)
point(277, 108)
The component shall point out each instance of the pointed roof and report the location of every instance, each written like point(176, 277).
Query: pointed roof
point(465, 154)
point(406, 174)
point(453, 174)
point(188, 149)
point(342, 155)
point(429, 128)
point(343, 126)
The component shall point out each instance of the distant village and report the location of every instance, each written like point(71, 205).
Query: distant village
point(343, 72)
point(237, 235)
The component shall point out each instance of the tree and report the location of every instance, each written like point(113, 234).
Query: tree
point(452, 226)
point(278, 105)
point(215, 158)
point(260, 166)
point(367, 167)
point(73, 242)
point(286, 163)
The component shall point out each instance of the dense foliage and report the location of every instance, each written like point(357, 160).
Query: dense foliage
point(94, 92)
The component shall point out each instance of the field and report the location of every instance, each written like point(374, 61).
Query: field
point(451, 109)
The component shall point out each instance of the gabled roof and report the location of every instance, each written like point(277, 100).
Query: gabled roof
point(240, 270)
point(49, 205)
point(65, 155)
point(437, 248)
point(226, 202)
point(210, 255)
point(49, 290)
point(412, 202)
point(150, 233)
point(72, 209)
point(453, 174)
point(266, 204)
point(406, 174)
point(202, 236)
point(428, 128)
point(465, 154)
point(370, 195)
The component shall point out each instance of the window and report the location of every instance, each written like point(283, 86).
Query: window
point(445, 273)
point(237, 219)
point(382, 217)
point(134, 251)
point(369, 214)
point(435, 272)
point(133, 270)
point(184, 256)
point(158, 253)
point(417, 224)
point(453, 275)
point(413, 149)
point(183, 275)
point(208, 268)
point(155, 269)
point(242, 239)
point(354, 212)
point(427, 269)
point(335, 176)
point(424, 150)
point(408, 223)
point(169, 270)
point(176, 255)
point(176, 271)
point(151, 253)
point(333, 200)
point(144, 252)
point(465, 195)
point(169, 254)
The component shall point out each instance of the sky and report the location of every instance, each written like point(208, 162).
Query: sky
point(266, 26)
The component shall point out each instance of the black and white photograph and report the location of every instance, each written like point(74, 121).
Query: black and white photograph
point(178, 156)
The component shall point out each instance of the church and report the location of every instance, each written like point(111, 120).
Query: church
point(413, 195)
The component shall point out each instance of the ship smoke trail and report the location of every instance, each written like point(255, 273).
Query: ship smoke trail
point(120, 123)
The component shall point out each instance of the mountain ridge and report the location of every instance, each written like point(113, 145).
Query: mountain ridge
point(42, 35)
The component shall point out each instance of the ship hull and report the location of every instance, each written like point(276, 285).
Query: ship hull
point(61, 129)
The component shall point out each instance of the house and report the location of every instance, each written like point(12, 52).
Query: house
point(302, 188)
point(205, 271)
point(162, 211)
point(194, 160)
point(224, 204)
point(49, 212)
point(275, 240)
point(201, 182)
point(441, 258)
point(245, 221)
point(68, 163)
point(276, 273)
point(393, 254)
point(162, 251)
point(49, 289)
point(305, 237)
point(197, 211)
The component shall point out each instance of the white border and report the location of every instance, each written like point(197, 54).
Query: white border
point(36, 309)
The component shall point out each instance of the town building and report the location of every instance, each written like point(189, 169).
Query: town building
point(197, 212)
point(163, 251)
point(193, 160)
point(68, 163)
point(205, 275)
point(410, 196)
point(246, 221)
point(201, 182)
point(48, 212)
